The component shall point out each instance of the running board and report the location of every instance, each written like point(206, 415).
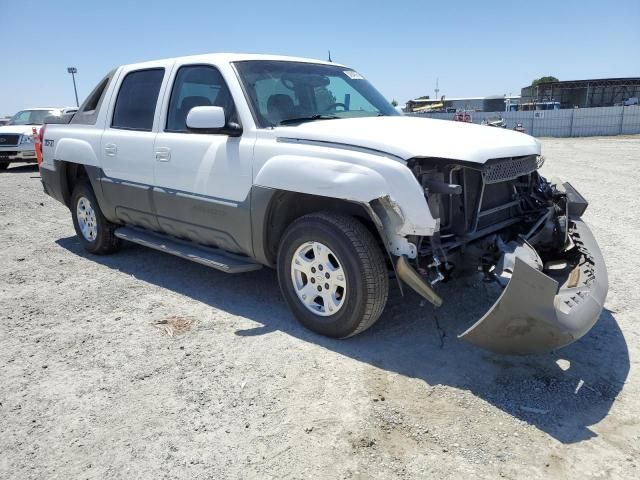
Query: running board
point(210, 257)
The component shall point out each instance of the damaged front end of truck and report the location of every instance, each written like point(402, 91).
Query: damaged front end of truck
point(503, 220)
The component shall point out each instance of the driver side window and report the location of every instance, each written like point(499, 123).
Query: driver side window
point(197, 86)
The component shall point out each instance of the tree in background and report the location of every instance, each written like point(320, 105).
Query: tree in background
point(546, 79)
point(394, 103)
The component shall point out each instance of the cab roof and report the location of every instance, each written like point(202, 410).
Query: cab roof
point(234, 57)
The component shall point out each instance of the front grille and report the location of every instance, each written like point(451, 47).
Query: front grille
point(9, 140)
point(489, 194)
point(509, 169)
point(493, 194)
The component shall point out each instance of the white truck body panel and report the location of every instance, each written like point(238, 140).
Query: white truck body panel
point(407, 137)
point(328, 171)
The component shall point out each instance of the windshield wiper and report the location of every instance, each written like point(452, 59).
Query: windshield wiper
point(310, 118)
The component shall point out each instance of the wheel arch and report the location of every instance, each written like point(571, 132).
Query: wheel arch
point(70, 173)
point(273, 210)
point(356, 177)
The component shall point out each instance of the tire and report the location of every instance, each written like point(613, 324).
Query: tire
point(353, 255)
point(98, 237)
point(4, 166)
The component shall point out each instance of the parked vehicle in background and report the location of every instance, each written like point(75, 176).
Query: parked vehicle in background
point(16, 136)
point(243, 161)
point(495, 121)
point(463, 116)
point(4, 121)
point(519, 128)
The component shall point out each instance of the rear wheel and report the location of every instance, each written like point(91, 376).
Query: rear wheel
point(4, 166)
point(94, 231)
point(332, 274)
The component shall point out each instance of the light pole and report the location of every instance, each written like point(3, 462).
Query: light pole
point(73, 71)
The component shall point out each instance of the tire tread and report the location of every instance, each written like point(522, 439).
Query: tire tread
point(107, 241)
point(376, 277)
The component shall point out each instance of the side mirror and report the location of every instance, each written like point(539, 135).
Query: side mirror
point(206, 118)
point(211, 120)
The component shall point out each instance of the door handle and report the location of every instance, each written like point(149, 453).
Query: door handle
point(163, 154)
point(111, 149)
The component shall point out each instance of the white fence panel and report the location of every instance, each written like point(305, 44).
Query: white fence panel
point(577, 122)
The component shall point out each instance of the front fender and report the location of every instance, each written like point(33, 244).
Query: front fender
point(353, 182)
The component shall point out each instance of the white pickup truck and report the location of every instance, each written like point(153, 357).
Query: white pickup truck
point(244, 161)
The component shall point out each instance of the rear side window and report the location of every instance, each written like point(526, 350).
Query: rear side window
point(137, 98)
point(87, 114)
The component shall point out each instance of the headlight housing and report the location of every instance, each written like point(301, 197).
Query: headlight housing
point(26, 139)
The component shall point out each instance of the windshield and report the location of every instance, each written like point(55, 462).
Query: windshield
point(282, 92)
point(32, 117)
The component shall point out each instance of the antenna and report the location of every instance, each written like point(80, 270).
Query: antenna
point(330, 56)
point(437, 90)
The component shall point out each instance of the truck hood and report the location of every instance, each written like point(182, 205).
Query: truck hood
point(18, 129)
point(407, 137)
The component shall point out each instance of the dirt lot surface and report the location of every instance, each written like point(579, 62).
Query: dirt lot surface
point(142, 365)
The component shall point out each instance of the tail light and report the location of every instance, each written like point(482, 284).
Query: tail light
point(38, 145)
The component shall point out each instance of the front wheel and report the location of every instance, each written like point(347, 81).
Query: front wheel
point(94, 231)
point(332, 274)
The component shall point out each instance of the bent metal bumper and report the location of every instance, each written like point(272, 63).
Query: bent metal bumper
point(536, 313)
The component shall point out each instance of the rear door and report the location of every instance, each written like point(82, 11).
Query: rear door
point(202, 179)
point(127, 144)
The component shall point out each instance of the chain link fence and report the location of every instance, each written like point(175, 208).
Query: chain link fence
point(577, 122)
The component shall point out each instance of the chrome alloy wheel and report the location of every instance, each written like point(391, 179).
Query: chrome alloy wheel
point(87, 219)
point(318, 278)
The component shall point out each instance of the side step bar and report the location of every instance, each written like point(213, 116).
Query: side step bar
point(210, 257)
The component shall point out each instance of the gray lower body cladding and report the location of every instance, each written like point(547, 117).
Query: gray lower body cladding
point(52, 183)
point(201, 219)
point(537, 313)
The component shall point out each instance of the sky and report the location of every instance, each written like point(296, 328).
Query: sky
point(473, 48)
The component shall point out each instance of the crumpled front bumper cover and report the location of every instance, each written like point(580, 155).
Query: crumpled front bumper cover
point(537, 314)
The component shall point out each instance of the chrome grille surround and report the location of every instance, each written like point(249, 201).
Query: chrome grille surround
point(509, 168)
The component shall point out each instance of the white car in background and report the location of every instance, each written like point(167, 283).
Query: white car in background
point(16, 137)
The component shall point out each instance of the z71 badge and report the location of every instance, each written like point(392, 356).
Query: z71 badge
point(48, 143)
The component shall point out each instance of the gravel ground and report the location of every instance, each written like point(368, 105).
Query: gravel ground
point(142, 365)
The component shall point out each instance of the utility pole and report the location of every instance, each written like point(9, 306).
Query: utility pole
point(437, 90)
point(73, 71)
point(330, 56)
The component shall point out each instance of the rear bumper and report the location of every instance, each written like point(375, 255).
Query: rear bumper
point(537, 313)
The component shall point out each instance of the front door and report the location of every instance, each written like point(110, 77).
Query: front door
point(201, 179)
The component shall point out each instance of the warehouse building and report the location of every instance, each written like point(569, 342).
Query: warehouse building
point(601, 92)
point(493, 103)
